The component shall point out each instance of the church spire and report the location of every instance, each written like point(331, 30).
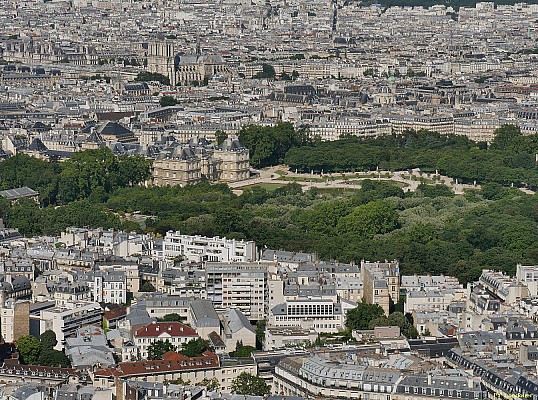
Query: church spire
point(198, 48)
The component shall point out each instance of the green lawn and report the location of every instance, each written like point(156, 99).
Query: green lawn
point(301, 179)
point(267, 186)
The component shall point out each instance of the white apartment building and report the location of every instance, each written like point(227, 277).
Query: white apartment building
point(65, 320)
point(412, 283)
point(432, 300)
point(202, 248)
point(107, 286)
point(528, 274)
point(443, 125)
point(110, 287)
point(334, 130)
point(508, 289)
point(478, 130)
point(241, 286)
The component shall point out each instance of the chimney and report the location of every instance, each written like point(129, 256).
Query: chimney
point(523, 353)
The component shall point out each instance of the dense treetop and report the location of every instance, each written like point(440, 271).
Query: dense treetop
point(511, 158)
point(430, 230)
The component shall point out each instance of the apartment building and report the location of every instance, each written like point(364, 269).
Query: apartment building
point(478, 130)
point(411, 283)
point(177, 366)
point(14, 320)
point(443, 125)
point(107, 286)
point(242, 286)
point(158, 305)
point(204, 318)
point(432, 300)
point(65, 320)
point(508, 289)
point(381, 283)
point(528, 274)
point(202, 248)
point(334, 130)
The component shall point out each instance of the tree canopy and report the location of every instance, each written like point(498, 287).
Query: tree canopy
point(397, 318)
point(267, 72)
point(53, 358)
point(147, 286)
point(242, 351)
point(361, 316)
point(29, 349)
point(167, 101)
point(427, 231)
point(79, 185)
point(40, 351)
point(268, 145)
point(158, 348)
point(509, 160)
point(48, 339)
point(152, 76)
point(173, 317)
point(194, 347)
point(249, 384)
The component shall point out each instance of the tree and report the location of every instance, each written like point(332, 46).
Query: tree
point(369, 72)
point(48, 340)
point(173, 317)
point(167, 101)
point(268, 145)
point(29, 348)
point(370, 219)
point(242, 351)
point(152, 76)
point(158, 348)
point(360, 317)
point(435, 190)
point(260, 334)
point(220, 137)
point(506, 137)
point(212, 384)
point(147, 286)
point(397, 318)
point(54, 358)
point(88, 170)
point(249, 384)
point(268, 72)
point(194, 347)
point(285, 77)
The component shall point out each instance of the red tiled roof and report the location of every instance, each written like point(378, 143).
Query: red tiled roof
point(175, 329)
point(173, 356)
point(115, 313)
point(156, 367)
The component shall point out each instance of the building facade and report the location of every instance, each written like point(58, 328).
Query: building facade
point(202, 248)
point(242, 286)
